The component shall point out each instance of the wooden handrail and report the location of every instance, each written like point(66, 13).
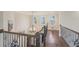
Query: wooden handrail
point(69, 29)
point(2, 31)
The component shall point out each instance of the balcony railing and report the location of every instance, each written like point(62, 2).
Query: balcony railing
point(70, 36)
point(14, 39)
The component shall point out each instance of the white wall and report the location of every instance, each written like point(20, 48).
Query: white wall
point(70, 20)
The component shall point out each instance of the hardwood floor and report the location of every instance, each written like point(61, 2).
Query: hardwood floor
point(53, 40)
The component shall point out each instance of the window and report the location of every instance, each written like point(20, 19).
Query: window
point(34, 20)
point(52, 20)
point(42, 20)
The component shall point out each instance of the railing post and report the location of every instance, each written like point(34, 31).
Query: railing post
point(37, 39)
point(28, 41)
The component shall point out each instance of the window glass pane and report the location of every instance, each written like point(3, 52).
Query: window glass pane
point(34, 20)
point(52, 20)
point(42, 20)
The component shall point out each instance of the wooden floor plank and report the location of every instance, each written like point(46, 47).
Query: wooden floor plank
point(53, 40)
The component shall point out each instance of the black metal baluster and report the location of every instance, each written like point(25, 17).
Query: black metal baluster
point(25, 41)
point(28, 41)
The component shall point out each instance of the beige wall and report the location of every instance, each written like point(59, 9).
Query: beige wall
point(1, 19)
point(70, 20)
point(8, 16)
point(22, 22)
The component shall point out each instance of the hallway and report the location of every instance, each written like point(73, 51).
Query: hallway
point(53, 40)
